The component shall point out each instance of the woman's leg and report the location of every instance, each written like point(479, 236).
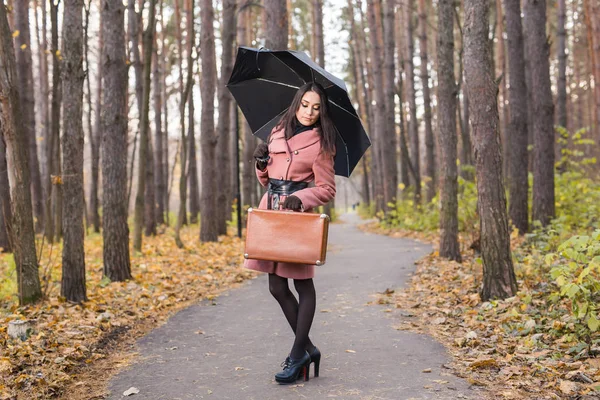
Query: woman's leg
point(280, 289)
point(306, 314)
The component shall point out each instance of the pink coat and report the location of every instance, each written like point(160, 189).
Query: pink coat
point(298, 159)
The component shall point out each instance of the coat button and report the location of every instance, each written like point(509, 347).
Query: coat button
point(287, 159)
point(296, 152)
point(281, 177)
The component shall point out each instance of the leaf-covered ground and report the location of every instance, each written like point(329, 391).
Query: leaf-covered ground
point(73, 347)
point(519, 348)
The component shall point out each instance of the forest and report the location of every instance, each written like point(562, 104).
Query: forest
point(126, 169)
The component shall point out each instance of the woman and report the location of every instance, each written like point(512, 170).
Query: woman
point(300, 150)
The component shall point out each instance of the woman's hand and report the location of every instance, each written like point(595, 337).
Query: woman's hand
point(261, 152)
point(292, 203)
point(261, 155)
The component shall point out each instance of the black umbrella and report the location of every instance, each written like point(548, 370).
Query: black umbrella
point(264, 82)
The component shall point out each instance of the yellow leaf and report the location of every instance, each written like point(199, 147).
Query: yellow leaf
point(16, 33)
point(23, 46)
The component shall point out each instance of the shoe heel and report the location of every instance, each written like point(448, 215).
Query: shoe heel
point(317, 363)
point(306, 372)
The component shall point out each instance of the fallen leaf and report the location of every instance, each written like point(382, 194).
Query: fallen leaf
point(350, 351)
point(131, 391)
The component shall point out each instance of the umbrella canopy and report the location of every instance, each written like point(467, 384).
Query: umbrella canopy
point(264, 83)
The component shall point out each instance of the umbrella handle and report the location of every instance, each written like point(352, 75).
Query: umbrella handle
point(257, 53)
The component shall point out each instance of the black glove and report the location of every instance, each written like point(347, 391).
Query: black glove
point(292, 203)
point(261, 152)
point(261, 155)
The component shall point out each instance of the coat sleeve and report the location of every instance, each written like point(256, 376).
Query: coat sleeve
point(263, 176)
point(324, 189)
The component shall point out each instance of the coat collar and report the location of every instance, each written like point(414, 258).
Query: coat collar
point(297, 142)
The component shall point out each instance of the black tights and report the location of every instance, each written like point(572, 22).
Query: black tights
point(299, 314)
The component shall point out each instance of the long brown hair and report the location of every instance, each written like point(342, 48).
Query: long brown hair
point(327, 130)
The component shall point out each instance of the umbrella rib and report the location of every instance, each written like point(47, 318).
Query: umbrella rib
point(290, 68)
point(277, 83)
point(346, 146)
point(269, 121)
point(336, 104)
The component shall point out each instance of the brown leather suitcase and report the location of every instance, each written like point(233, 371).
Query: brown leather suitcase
point(286, 236)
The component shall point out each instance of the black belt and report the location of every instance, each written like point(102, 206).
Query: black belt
point(280, 187)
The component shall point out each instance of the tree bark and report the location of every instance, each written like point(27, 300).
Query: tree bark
point(276, 37)
point(96, 140)
point(159, 170)
point(447, 139)
point(5, 213)
point(25, 76)
point(21, 227)
point(592, 10)
point(225, 195)
point(361, 94)
point(115, 231)
point(501, 75)
point(208, 221)
point(317, 7)
point(378, 132)
point(498, 274)
point(42, 42)
point(561, 84)
point(518, 183)
point(185, 92)
point(73, 258)
point(193, 183)
point(389, 143)
point(145, 143)
point(429, 138)
point(248, 139)
point(413, 123)
point(404, 156)
point(53, 223)
point(543, 111)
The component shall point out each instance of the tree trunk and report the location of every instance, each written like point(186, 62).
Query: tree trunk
point(378, 132)
point(404, 156)
point(501, 75)
point(185, 92)
point(21, 227)
point(389, 143)
point(498, 275)
point(73, 259)
point(449, 246)
point(25, 75)
point(248, 140)
point(145, 143)
point(52, 225)
point(276, 37)
point(165, 100)
point(96, 140)
point(319, 54)
point(5, 213)
point(208, 221)
point(592, 10)
point(429, 138)
point(561, 84)
point(518, 183)
point(413, 123)
point(43, 98)
point(193, 182)
point(360, 94)
point(225, 195)
point(543, 110)
point(115, 231)
point(159, 180)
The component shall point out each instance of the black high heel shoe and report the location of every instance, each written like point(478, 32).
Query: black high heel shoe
point(293, 369)
point(315, 357)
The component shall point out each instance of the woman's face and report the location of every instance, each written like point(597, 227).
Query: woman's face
point(310, 109)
